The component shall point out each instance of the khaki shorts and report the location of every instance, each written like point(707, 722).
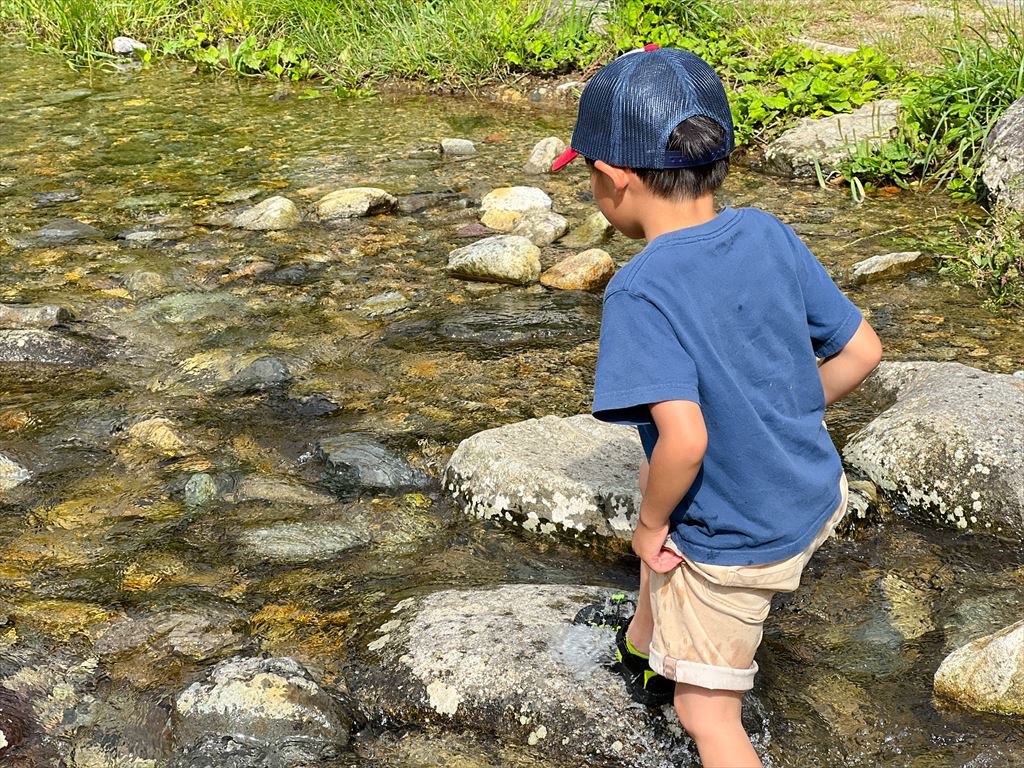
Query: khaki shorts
point(708, 619)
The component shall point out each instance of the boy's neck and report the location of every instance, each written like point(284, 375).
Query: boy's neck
point(661, 216)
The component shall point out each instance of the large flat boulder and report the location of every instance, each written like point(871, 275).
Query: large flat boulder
point(950, 445)
point(830, 140)
point(573, 474)
point(508, 661)
point(1002, 163)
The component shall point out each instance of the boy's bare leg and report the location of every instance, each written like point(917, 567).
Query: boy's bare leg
point(712, 718)
point(641, 628)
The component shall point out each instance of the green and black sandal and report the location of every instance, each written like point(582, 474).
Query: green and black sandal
point(645, 686)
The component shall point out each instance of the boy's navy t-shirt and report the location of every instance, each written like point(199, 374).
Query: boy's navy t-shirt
point(732, 314)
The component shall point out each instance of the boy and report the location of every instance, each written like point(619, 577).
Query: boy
point(712, 342)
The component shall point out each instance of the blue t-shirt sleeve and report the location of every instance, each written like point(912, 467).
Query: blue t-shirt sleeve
point(640, 361)
point(832, 319)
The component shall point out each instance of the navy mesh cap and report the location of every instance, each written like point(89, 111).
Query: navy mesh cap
point(630, 108)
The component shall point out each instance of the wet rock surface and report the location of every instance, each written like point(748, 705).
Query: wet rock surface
point(508, 661)
point(59, 232)
point(358, 463)
point(950, 446)
point(1002, 164)
point(987, 674)
point(830, 140)
point(36, 347)
point(575, 474)
point(273, 213)
point(12, 474)
point(354, 202)
point(594, 230)
point(502, 259)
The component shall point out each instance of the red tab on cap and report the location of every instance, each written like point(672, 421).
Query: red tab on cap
point(651, 47)
point(564, 159)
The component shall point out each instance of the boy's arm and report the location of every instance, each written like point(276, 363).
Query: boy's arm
point(675, 462)
point(844, 371)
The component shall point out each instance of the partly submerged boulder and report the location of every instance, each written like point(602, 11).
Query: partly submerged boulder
point(36, 347)
point(585, 271)
point(1002, 163)
point(353, 202)
point(499, 259)
point(573, 474)
point(949, 446)
point(543, 154)
point(988, 673)
point(273, 213)
point(504, 207)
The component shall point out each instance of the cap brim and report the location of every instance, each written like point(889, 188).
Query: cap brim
point(564, 159)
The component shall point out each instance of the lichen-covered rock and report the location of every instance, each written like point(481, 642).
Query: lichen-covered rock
point(573, 474)
point(541, 227)
point(888, 265)
point(23, 316)
point(508, 661)
point(12, 474)
point(1002, 163)
point(273, 213)
point(585, 271)
point(829, 140)
point(594, 230)
point(499, 259)
point(504, 207)
point(36, 347)
point(950, 446)
point(356, 463)
point(988, 673)
point(353, 202)
point(543, 154)
point(271, 707)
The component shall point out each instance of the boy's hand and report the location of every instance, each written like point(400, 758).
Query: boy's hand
point(649, 545)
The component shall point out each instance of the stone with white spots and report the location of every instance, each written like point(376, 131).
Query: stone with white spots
point(576, 475)
point(949, 446)
point(988, 673)
point(507, 661)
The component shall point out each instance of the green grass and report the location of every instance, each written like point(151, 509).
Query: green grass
point(993, 259)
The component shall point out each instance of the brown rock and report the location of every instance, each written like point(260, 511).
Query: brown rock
point(585, 271)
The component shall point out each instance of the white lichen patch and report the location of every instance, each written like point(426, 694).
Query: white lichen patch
point(389, 626)
point(443, 698)
point(379, 643)
point(538, 734)
point(3, 740)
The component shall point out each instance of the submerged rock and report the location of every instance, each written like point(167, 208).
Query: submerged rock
point(159, 434)
point(457, 148)
point(224, 371)
point(573, 474)
point(56, 197)
point(1002, 161)
point(950, 446)
point(304, 541)
point(829, 140)
point(585, 271)
point(12, 474)
point(508, 661)
point(888, 265)
point(189, 306)
point(594, 230)
point(258, 712)
point(385, 304)
point(353, 202)
point(273, 213)
point(543, 154)
point(356, 463)
point(504, 207)
point(541, 227)
point(58, 232)
point(496, 324)
point(20, 316)
point(987, 674)
point(35, 347)
point(499, 259)
point(200, 489)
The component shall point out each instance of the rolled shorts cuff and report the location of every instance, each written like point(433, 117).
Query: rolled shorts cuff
point(703, 675)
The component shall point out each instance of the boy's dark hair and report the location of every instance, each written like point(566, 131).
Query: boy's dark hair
point(697, 135)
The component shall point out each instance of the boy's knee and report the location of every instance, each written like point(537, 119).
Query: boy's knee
point(704, 713)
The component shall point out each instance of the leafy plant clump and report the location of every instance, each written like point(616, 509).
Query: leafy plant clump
point(993, 259)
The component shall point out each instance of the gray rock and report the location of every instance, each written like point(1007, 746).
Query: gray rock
point(543, 155)
point(573, 474)
point(356, 463)
point(226, 371)
point(541, 227)
point(457, 148)
point(37, 347)
point(353, 202)
point(508, 661)
point(146, 235)
point(304, 541)
point(197, 635)
point(950, 445)
point(886, 266)
point(56, 197)
point(279, 491)
point(829, 140)
point(200, 489)
point(1002, 162)
point(126, 46)
point(504, 207)
point(234, 196)
point(593, 231)
point(12, 474)
point(987, 674)
point(385, 304)
point(267, 708)
point(263, 373)
point(58, 232)
point(498, 259)
point(145, 283)
point(20, 316)
point(273, 213)
point(189, 307)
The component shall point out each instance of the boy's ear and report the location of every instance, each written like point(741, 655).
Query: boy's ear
point(619, 177)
